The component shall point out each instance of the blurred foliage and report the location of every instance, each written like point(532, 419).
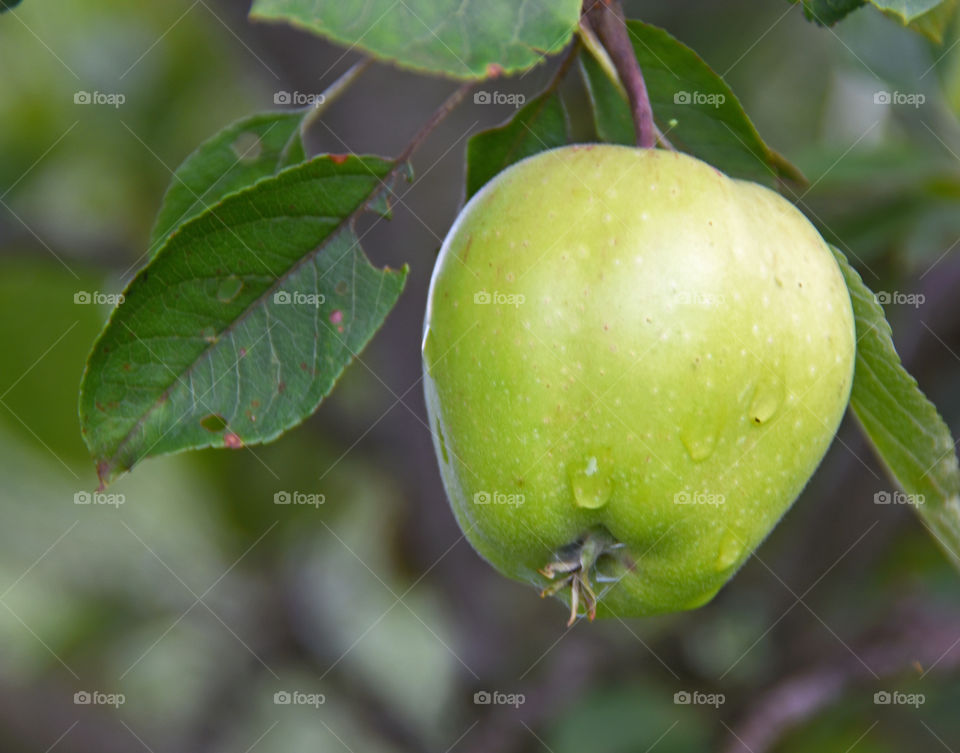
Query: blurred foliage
point(106, 166)
point(372, 598)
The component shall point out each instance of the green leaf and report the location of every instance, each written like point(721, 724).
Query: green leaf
point(243, 321)
point(828, 12)
point(238, 156)
point(693, 106)
point(459, 38)
point(611, 114)
point(540, 125)
point(904, 427)
point(928, 17)
point(907, 11)
point(244, 152)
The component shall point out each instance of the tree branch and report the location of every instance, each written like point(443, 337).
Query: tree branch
point(796, 699)
point(401, 160)
point(449, 104)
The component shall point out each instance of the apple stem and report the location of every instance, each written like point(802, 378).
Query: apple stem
point(608, 21)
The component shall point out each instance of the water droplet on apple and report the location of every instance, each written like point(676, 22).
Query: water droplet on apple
point(731, 549)
point(766, 400)
point(700, 441)
point(590, 481)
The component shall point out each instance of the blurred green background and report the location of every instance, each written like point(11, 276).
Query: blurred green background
point(199, 600)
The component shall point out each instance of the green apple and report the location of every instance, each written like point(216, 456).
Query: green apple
point(633, 364)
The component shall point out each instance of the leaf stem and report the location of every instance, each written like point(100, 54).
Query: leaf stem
point(592, 44)
point(607, 20)
point(449, 104)
point(401, 160)
point(333, 92)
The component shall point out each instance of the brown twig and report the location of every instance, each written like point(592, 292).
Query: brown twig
point(401, 160)
point(608, 22)
point(333, 92)
point(449, 104)
point(792, 701)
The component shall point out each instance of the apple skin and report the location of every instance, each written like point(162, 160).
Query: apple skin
point(638, 345)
